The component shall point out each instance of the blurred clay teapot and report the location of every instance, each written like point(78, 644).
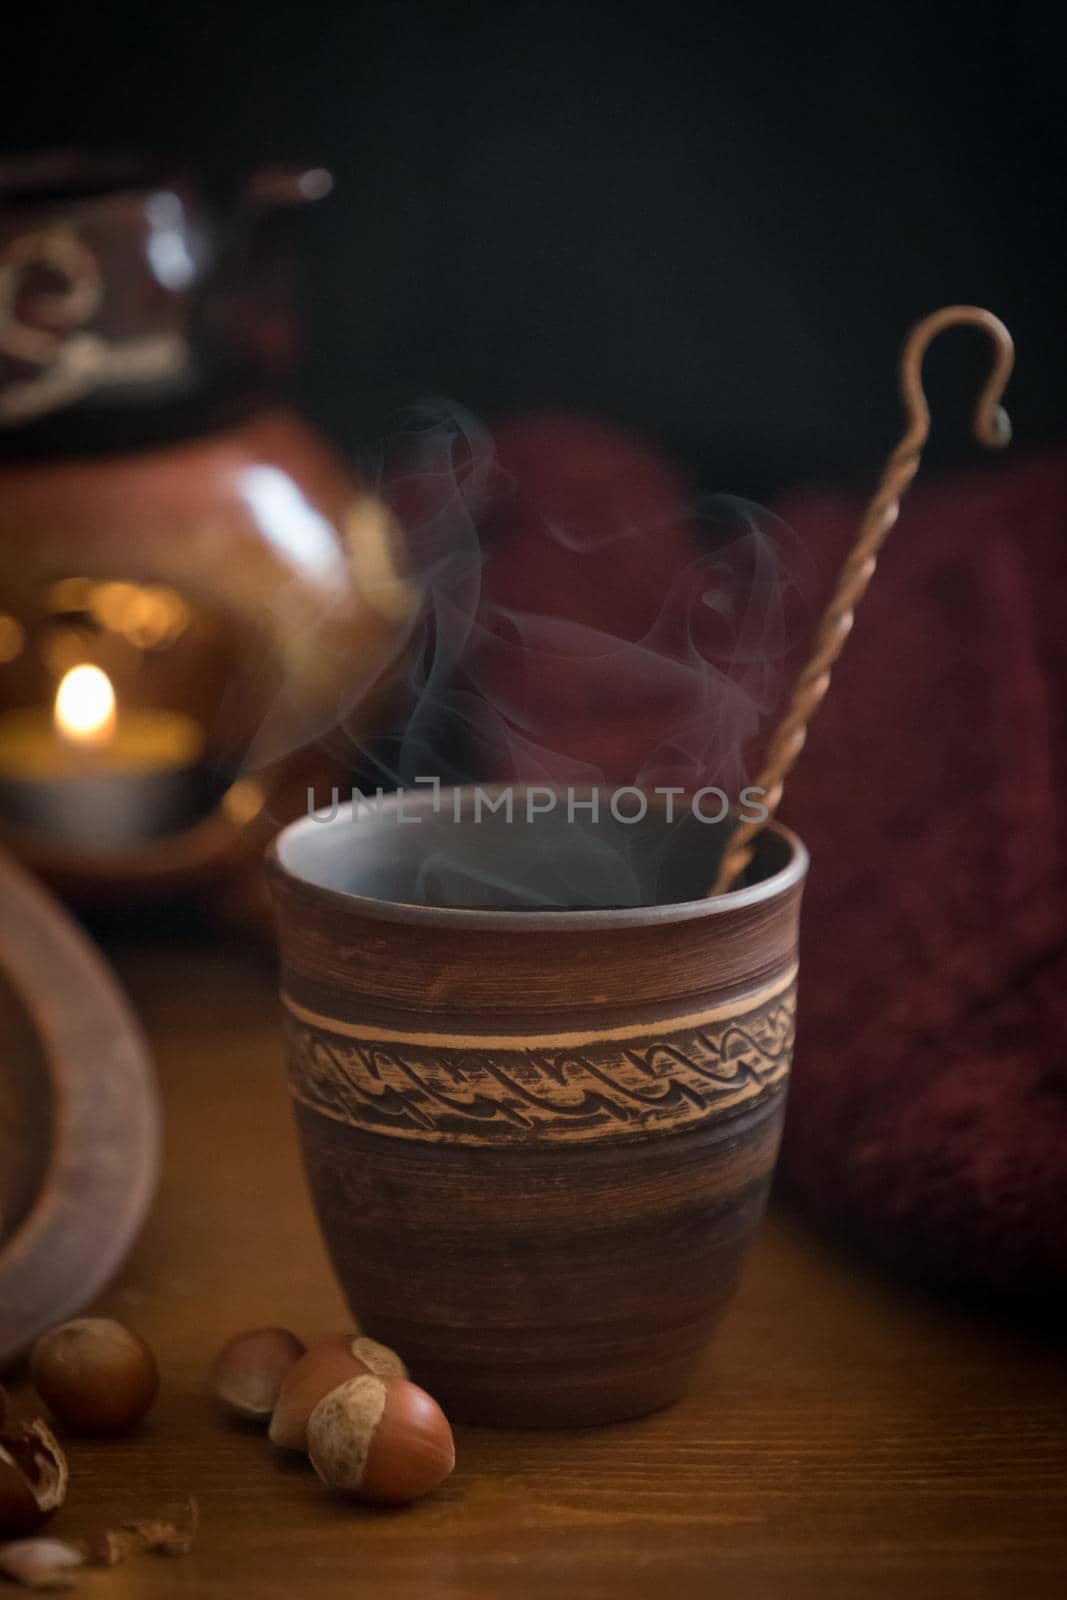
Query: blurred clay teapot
point(148, 468)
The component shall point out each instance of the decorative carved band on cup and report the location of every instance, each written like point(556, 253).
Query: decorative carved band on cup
point(565, 1086)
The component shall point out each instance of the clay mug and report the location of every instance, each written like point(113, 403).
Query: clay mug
point(538, 1140)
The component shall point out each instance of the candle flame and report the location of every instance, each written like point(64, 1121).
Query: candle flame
point(84, 711)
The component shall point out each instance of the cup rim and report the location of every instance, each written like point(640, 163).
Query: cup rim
point(489, 918)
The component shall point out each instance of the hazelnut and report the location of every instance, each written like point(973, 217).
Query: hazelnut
point(324, 1367)
point(33, 1477)
point(40, 1563)
point(250, 1369)
point(95, 1375)
point(382, 1440)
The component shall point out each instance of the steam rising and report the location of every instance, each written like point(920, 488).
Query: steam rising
point(495, 691)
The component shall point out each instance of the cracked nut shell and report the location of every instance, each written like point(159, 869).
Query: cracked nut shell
point(33, 1478)
point(249, 1371)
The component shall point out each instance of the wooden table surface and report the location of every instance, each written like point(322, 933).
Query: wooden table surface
point(848, 1437)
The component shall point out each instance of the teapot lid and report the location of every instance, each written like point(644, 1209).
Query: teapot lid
point(135, 306)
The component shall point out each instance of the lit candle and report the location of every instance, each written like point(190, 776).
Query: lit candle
point(84, 713)
point(92, 775)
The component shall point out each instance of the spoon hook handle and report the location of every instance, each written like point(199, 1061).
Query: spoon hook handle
point(991, 428)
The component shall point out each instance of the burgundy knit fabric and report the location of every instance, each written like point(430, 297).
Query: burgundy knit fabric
point(928, 1114)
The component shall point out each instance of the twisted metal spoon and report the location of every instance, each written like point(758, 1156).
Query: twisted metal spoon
point(991, 428)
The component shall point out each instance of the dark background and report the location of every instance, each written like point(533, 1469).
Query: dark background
point(712, 223)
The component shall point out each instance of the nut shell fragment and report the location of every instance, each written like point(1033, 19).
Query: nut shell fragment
point(249, 1371)
point(33, 1477)
point(40, 1563)
point(172, 1533)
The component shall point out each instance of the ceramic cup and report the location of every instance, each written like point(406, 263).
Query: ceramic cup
point(538, 1140)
